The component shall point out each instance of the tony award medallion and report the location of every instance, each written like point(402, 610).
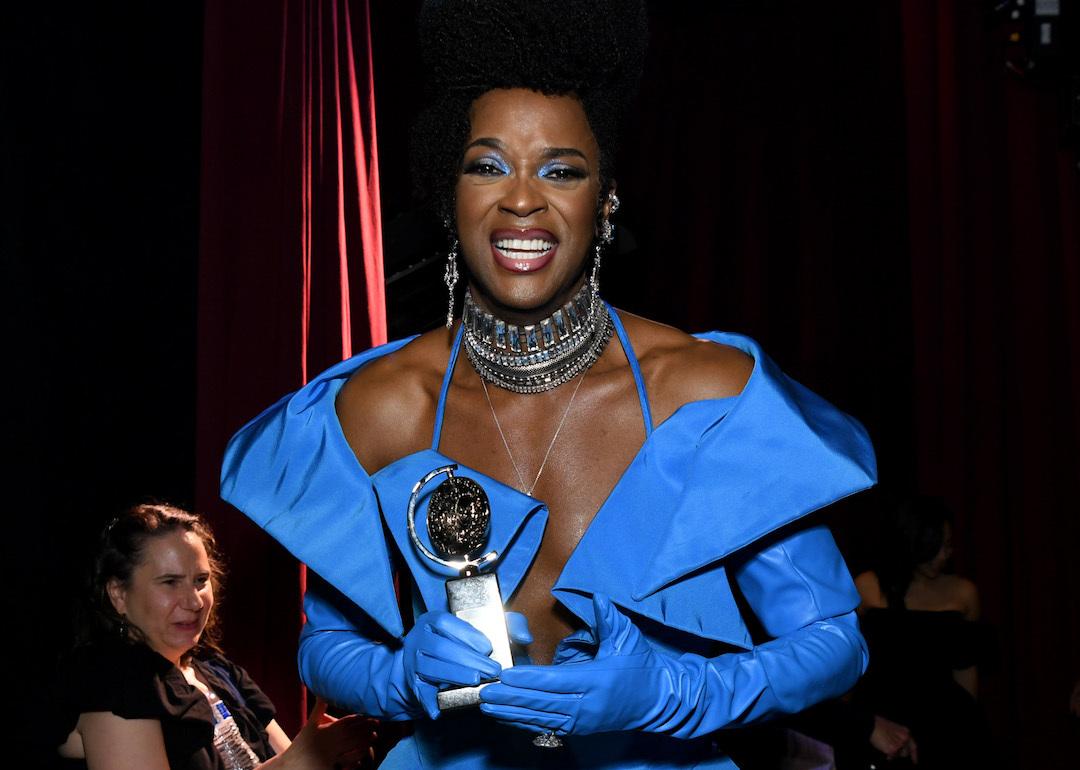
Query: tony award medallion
point(458, 523)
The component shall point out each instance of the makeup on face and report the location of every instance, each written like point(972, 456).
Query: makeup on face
point(527, 198)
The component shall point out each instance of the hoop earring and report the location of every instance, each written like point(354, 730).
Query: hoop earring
point(450, 278)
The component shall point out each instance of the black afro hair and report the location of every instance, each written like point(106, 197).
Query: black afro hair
point(593, 49)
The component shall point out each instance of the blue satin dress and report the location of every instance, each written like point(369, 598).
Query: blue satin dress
point(714, 495)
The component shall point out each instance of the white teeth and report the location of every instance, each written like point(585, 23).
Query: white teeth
point(536, 245)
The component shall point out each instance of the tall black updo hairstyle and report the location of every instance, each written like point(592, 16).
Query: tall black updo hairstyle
point(591, 49)
point(120, 550)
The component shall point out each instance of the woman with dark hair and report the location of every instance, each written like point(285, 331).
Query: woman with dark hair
point(148, 685)
point(639, 478)
point(920, 624)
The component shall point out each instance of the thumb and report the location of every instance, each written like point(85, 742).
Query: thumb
point(607, 624)
point(616, 633)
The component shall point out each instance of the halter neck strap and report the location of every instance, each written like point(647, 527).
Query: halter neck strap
point(440, 408)
point(635, 369)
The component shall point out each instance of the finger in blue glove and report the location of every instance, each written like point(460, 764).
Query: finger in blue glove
point(517, 625)
point(626, 686)
point(443, 650)
point(629, 685)
point(578, 647)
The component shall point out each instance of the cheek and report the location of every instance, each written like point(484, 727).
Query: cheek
point(471, 204)
point(579, 207)
point(145, 610)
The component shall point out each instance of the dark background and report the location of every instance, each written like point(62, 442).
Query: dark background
point(865, 188)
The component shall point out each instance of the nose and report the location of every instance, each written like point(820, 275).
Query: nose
point(522, 197)
point(193, 599)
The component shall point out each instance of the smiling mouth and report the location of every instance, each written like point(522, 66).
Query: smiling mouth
point(523, 248)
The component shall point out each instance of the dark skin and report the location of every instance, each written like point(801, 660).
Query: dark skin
point(387, 409)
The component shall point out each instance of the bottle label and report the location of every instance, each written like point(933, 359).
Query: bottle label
point(221, 711)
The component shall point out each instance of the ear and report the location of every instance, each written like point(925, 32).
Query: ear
point(117, 595)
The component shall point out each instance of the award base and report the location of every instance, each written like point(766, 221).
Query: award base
point(476, 600)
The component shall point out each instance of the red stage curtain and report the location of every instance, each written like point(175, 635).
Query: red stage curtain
point(291, 275)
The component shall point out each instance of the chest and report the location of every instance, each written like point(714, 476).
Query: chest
point(568, 455)
point(570, 460)
point(935, 596)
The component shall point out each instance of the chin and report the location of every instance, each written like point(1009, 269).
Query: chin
point(186, 642)
point(526, 294)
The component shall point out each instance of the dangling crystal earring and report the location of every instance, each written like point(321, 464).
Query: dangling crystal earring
point(607, 232)
point(450, 278)
point(594, 277)
point(123, 627)
point(607, 236)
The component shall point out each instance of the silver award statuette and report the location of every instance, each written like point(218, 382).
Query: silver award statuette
point(458, 523)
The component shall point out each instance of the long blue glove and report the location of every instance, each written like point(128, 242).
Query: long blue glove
point(629, 685)
point(396, 680)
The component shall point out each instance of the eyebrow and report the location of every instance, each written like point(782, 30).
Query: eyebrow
point(548, 153)
point(180, 575)
point(484, 141)
point(561, 152)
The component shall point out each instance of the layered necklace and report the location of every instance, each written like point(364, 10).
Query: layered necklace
point(540, 356)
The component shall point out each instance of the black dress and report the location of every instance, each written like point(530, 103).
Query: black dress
point(913, 654)
point(134, 682)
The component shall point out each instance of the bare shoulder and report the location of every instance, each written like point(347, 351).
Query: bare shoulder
point(963, 593)
point(869, 588)
point(387, 407)
point(679, 368)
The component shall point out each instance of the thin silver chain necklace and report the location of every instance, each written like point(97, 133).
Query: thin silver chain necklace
point(528, 490)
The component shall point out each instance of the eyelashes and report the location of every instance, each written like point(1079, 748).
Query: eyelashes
point(562, 172)
point(557, 171)
point(487, 166)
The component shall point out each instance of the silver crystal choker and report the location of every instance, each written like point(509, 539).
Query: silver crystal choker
point(537, 357)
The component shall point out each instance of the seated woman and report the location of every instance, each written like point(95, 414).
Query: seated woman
point(920, 624)
point(148, 687)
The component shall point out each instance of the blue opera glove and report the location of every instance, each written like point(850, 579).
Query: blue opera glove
point(626, 685)
point(393, 679)
point(443, 650)
point(630, 685)
point(398, 681)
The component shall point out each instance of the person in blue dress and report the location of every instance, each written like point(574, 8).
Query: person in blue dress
point(643, 483)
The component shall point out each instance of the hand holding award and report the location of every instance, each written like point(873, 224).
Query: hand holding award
point(458, 524)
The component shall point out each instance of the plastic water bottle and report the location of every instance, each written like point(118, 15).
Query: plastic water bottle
point(230, 744)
